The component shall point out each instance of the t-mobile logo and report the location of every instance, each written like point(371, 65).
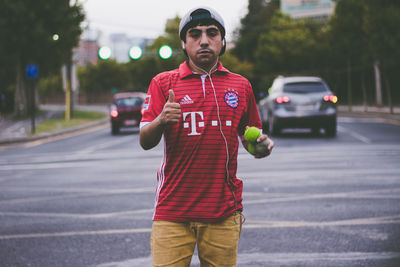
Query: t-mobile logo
point(193, 121)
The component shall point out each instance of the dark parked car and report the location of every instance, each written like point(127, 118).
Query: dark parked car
point(299, 102)
point(126, 110)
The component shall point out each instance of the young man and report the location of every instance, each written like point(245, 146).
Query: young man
point(200, 109)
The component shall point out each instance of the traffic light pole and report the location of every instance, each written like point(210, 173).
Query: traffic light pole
point(68, 91)
point(68, 102)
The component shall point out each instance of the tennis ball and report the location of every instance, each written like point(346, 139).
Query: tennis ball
point(251, 148)
point(251, 134)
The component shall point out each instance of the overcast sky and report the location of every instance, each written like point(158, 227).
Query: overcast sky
point(147, 18)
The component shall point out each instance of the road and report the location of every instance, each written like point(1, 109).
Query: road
point(86, 200)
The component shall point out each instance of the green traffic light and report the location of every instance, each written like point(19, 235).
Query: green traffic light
point(135, 52)
point(165, 52)
point(105, 52)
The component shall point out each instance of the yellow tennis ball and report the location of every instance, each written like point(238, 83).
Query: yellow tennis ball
point(251, 134)
point(251, 148)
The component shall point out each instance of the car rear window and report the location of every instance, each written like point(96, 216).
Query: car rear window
point(129, 102)
point(304, 87)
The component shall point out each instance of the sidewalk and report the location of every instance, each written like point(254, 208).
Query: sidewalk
point(15, 131)
point(383, 113)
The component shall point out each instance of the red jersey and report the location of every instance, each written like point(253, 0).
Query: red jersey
point(197, 178)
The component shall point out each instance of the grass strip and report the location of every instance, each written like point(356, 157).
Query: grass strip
point(80, 117)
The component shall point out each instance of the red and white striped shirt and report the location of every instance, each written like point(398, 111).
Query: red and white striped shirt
point(192, 183)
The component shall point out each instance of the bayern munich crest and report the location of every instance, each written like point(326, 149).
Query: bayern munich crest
point(231, 98)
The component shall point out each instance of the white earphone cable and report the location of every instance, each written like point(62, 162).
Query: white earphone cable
point(219, 118)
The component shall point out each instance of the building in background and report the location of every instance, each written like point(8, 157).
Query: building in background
point(121, 43)
point(87, 51)
point(316, 9)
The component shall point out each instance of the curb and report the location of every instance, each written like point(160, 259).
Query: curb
point(380, 116)
point(56, 133)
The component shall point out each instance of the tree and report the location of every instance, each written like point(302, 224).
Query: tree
point(50, 86)
point(286, 47)
point(257, 20)
point(346, 31)
point(381, 27)
point(172, 39)
point(363, 34)
point(342, 50)
point(150, 64)
point(103, 78)
point(29, 27)
point(234, 64)
point(381, 23)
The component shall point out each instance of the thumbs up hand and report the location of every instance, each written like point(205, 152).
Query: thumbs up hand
point(171, 112)
point(171, 96)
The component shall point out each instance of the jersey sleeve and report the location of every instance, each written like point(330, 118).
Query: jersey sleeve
point(154, 102)
point(251, 116)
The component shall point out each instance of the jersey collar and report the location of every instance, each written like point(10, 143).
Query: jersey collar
point(185, 71)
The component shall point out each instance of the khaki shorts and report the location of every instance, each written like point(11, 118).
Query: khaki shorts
point(173, 244)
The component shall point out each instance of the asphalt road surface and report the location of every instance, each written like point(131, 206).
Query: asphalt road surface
point(87, 199)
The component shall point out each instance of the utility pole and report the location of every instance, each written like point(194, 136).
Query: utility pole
point(69, 109)
point(378, 84)
point(67, 74)
point(349, 93)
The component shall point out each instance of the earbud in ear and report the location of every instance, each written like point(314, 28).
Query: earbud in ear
point(223, 47)
point(183, 45)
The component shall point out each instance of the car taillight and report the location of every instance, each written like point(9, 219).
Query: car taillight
point(282, 99)
point(331, 98)
point(114, 113)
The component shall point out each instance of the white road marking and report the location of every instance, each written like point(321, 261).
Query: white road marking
point(367, 194)
point(352, 222)
point(250, 224)
point(391, 193)
point(72, 164)
point(112, 143)
point(148, 189)
point(75, 215)
point(80, 194)
point(354, 134)
point(368, 120)
point(41, 166)
point(77, 233)
point(65, 135)
point(278, 259)
point(246, 259)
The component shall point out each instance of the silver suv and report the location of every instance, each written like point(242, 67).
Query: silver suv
point(299, 102)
